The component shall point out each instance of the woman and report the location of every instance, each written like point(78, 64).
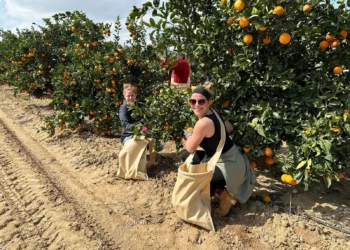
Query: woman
point(233, 178)
point(125, 113)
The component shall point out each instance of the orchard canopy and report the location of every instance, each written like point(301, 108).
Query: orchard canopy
point(280, 72)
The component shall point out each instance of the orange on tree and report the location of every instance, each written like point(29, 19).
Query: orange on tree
point(253, 164)
point(329, 37)
point(337, 70)
point(343, 34)
point(263, 28)
point(246, 148)
point(130, 26)
point(239, 5)
point(229, 21)
point(323, 44)
point(267, 199)
point(335, 43)
point(243, 22)
point(278, 10)
point(284, 38)
point(307, 8)
point(248, 38)
point(269, 160)
point(268, 152)
point(226, 104)
point(74, 28)
point(267, 40)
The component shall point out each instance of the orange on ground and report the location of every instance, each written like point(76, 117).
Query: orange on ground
point(243, 22)
point(284, 38)
point(278, 11)
point(239, 5)
point(338, 70)
point(267, 198)
point(248, 39)
point(266, 40)
point(269, 161)
point(323, 44)
point(283, 177)
point(307, 8)
point(268, 152)
point(340, 176)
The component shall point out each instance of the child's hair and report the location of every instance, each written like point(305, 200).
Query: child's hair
point(183, 55)
point(129, 86)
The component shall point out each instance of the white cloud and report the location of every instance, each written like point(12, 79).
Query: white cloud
point(22, 13)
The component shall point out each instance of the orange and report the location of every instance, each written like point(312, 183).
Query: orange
point(268, 152)
point(94, 43)
point(263, 28)
point(226, 104)
point(60, 121)
point(166, 127)
point(134, 37)
point(111, 60)
point(307, 8)
point(267, 40)
point(189, 129)
point(229, 21)
point(323, 44)
point(283, 177)
point(329, 37)
point(239, 5)
point(267, 198)
point(248, 39)
point(253, 164)
point(77, 105)
point(269, 161)
point(335, 43)
point(284, 38)
point(74, 29)
point(343, 34)
point(243, 22)
point(278, 11)
point(337, 70)
point(293, 182)
point(340, 176)
point(246, 148)
point(288, 178)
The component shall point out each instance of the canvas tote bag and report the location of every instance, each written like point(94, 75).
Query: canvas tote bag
point(191, 194)
point(132, 159)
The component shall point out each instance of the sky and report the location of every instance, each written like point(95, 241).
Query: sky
point(22, 13)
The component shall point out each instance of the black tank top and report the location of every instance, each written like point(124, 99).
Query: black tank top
point(210, 144)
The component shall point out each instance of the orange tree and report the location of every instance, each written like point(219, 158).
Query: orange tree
point(280, 72)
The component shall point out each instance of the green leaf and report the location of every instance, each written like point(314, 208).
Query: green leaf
point(259, 128)
point(152, 22)
point(301, 164)
point(325, 145)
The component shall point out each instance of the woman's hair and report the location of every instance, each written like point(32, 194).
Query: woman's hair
point(205, 90)
point(129, 86)
point(183, 55)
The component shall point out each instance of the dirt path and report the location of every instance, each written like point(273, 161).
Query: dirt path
point(60, 192)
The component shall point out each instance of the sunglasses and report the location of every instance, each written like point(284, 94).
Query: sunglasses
point(200, 101)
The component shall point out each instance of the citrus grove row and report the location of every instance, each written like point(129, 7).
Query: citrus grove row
point(279, 71)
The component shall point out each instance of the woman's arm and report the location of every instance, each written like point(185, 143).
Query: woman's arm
point(229, 127)
point(203, 128)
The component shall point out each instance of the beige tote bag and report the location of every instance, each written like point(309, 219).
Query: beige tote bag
point(191, 194)
point(132, 159)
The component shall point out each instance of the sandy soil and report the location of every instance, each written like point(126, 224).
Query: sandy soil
point(61, 192)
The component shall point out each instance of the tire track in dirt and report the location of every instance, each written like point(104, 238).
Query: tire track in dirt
point(38, 212)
